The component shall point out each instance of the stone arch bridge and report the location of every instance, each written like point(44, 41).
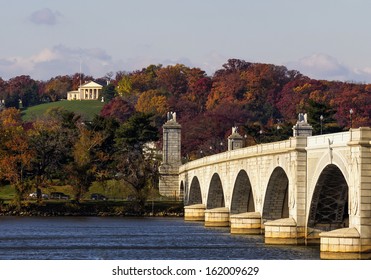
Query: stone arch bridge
point(304, 190)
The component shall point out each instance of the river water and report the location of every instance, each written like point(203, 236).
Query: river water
point(118, 238)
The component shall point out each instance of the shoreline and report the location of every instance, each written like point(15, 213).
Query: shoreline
point(101, 214)
point(91, 209)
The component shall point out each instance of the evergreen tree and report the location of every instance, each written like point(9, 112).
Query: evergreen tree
point(322, 113)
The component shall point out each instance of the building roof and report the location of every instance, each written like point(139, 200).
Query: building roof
point(91, 84)
point(73, 91)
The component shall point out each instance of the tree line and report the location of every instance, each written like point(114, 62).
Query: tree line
point(60, 148)
point(262, 100)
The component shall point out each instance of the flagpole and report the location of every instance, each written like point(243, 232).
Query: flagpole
point(80, 71)
point(80, 78)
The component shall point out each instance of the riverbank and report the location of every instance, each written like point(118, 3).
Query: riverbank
point(96, 208)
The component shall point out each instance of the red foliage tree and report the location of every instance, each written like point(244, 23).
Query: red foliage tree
point(118, 108)
point(172, 79)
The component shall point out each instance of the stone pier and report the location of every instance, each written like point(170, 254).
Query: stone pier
point(246, 223)
point(283, 231)
point(345, 244)
point(217, 217)
point(195, 212)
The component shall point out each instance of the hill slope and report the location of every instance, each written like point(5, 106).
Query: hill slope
point(87, 108)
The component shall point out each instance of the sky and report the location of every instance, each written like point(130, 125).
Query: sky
point(323, 39)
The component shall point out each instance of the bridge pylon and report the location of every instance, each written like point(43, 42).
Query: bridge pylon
point(171, 159)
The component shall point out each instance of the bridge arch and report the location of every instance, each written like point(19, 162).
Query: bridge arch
point(276, 196)
point(329, 203)
point(242, 197)
point(195, 196)
point(215, 197)
point(332, 157)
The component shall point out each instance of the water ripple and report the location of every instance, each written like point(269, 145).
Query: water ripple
point(127, 238)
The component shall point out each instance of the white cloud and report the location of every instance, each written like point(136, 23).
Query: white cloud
point(213, 61)
point(210, 62)
point(45, 17)
point(58, 60)
point(362, 75)
point(140, 62)
point(320, 66)
point(64, 60)
point(326, 67)
point(44, 55)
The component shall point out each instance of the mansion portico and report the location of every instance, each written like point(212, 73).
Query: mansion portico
point(87, 91)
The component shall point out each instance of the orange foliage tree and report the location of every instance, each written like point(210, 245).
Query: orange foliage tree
point(15, 154)
point(83, 169)
point(152, 102)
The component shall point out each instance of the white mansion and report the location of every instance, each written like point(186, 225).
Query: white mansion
point(88, 91)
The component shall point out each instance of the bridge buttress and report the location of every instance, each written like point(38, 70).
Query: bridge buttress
point(290, 228)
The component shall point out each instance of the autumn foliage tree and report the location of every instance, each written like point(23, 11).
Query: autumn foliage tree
point(83, 169)
point(21, 90)
point(51, 145)
point(15, 152)
point(57, 87)
point(118, 108)
point(172, 79)
point(152, 102)
point(135, 162)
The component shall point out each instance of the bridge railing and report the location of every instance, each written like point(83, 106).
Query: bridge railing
point(300, 142)
point(251, 151)
point(338, 139)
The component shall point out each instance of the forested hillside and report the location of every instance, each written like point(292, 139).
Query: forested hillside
point(61, 146)
point(263, 100)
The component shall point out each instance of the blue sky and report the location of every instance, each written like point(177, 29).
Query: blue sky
point(324, 39)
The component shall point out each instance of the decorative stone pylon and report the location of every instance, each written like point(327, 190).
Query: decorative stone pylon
point(235, 140)
point(302, 127)
point(171, 159)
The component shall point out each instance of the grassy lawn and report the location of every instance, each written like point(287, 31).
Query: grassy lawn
point(93, 208)
point(117, 203)
point(7, 192)
point(86, 108)
point(113, 190)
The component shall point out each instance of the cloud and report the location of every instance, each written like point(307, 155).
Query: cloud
point(6, 62)
point(45, 17)
point(212, 62)
point(321, 66)
point(209, 62)
point(139, 62)
point(362, 74)
point(63, 60)
point(325, 67)
point(58, 60)
point(62, 51)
